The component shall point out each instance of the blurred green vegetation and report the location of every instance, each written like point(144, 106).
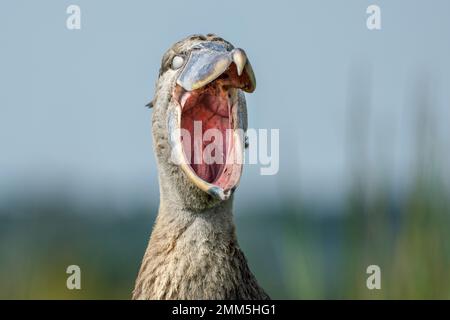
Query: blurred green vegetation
point(298, 250)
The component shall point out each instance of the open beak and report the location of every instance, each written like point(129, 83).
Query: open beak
point(204, 122)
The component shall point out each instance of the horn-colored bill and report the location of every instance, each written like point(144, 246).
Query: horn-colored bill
point(206, 65)
point(203, 67)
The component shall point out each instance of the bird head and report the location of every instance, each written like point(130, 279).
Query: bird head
point(200, 119)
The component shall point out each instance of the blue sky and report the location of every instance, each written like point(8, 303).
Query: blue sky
point(72, 102)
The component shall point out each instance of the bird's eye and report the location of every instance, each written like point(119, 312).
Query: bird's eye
point(177, 62)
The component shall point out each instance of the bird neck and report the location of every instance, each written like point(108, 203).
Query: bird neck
point(195, 255)
point(217, 219)
point(193, 230)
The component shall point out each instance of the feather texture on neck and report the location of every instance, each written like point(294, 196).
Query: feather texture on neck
point(194, 255)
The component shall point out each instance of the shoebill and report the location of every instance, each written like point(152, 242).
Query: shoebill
point(198, 108)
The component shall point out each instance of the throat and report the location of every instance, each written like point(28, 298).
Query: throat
point(206, 119)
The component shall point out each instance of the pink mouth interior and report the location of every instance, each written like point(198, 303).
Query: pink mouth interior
point(211, 107)
point(208, 106)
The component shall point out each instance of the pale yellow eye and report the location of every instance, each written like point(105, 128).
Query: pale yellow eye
point(177, 62)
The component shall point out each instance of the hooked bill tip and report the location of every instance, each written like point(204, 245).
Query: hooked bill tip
point(240, 59)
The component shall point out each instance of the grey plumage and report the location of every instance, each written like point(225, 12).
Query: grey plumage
point(193, 251)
